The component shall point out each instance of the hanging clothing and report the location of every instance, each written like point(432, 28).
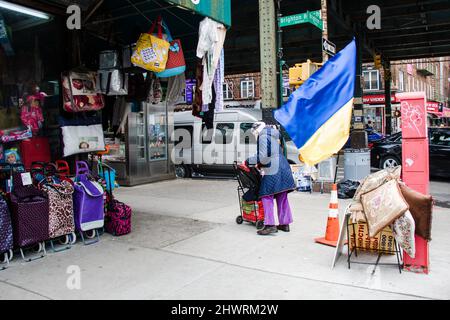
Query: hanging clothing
point(283, 209)
point(128, 107)
point(277, 174)
point(118, 111)
point(219, 79)
point(197, 105)
point(210, 44)
point(175, 88)
point(208, 116)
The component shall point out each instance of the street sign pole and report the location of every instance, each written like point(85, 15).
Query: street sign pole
point(280, 54)
point(324, 15)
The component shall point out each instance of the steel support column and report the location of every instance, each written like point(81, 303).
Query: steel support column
point(387, 94)
point(268, 51)
point(324, 14)
point(359, 135)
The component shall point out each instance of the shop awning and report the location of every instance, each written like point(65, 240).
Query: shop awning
point(219, 10)
point(446, 113)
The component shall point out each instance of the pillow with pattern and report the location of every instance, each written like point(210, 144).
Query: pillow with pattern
point(403, 229)
point(383, 205)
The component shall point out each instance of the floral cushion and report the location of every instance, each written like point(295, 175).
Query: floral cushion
point(370, 183)
point(404, 228)
point(377, 179)
point(383, 205)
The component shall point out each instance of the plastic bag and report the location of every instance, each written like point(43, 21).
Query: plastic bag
point(347, 189)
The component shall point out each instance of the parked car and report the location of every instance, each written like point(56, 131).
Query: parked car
point(388, 151)
point(213, 153)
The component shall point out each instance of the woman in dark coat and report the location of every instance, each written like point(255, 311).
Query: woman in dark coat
point(277, 180)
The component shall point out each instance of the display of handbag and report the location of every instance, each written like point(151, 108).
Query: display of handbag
point(82, 136)
point(151, 52)
point(127, 52)
point(138, 87)
point(80, 92)
point(112, 82)
point(109, 59)
point(176, 64)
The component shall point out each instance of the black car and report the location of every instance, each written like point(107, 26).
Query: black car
point(388, 151)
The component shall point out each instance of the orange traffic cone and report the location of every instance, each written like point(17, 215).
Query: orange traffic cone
point(332, 232)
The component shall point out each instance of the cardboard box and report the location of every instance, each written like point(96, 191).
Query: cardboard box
point(383, 241)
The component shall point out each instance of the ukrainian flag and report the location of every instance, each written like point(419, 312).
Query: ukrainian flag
point(318, 114)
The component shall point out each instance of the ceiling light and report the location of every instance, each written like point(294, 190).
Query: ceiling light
point(24, 10)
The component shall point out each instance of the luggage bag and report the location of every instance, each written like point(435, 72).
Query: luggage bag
point(88, 204)
point(6, 234)
point(61, 214)
point(118, 214)
point(29, 216)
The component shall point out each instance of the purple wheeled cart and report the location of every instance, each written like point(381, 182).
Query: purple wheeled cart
point(29, 216)
point(6, 235)
point(88, 204)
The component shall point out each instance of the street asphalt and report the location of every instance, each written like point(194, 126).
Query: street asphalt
point(186, 244)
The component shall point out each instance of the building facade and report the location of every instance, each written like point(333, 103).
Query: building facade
point(428, 75)
point(431, 76)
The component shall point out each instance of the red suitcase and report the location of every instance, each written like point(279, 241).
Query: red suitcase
point(36, 149)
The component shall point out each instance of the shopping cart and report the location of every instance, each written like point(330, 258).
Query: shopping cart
point(251, 210)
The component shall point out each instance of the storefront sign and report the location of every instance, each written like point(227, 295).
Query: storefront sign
point(378, 99)
point(219, 10)
point(433, 107)
point(446, 113)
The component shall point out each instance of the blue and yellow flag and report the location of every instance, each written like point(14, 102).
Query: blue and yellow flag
point(318, 114)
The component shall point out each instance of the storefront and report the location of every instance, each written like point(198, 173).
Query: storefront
point(437, 114)
point(375, 112)
point(136, 116)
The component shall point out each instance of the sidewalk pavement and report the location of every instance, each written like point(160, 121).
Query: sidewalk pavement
point(186, 244)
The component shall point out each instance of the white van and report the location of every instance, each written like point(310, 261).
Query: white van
point(213, 152)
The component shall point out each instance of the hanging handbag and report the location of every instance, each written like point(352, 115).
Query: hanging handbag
point(151, 52)
point(176, 64)
point(109, 59)
point(112, 82)
point(80, 92)
point(127, 52)
point(138, 87)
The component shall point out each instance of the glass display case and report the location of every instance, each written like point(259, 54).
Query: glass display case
point(147, 147)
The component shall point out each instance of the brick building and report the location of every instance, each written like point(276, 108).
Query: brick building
point(428, 75)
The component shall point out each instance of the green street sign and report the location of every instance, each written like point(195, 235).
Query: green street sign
point(294, 19)
point(316, 21)
point(312, 17)
point(316, 13)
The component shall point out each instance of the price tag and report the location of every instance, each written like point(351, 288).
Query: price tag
point(26, 179)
